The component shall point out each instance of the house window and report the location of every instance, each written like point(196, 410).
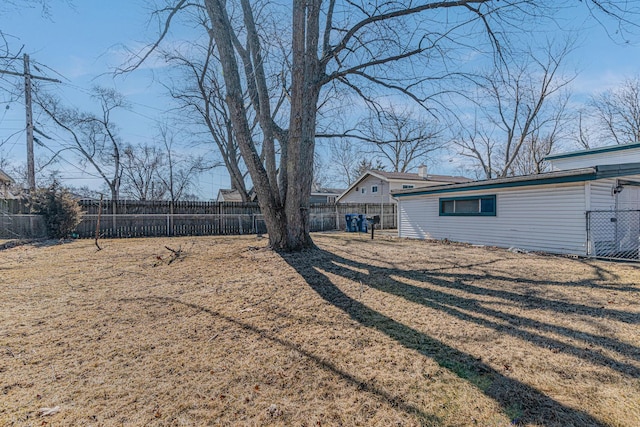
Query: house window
point(468, 206)
point(406, 186)
point(363, 190)
point(374, 188)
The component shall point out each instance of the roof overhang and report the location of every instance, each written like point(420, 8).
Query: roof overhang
point(557, 177)
point(607, 149)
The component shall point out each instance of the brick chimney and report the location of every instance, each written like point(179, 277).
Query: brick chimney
point(422, 171)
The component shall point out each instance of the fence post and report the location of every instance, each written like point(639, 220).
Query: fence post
point(589, 251)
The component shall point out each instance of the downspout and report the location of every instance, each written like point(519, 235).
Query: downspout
point(382, 204)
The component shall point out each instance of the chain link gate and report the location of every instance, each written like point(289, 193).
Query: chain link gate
point(614, 234)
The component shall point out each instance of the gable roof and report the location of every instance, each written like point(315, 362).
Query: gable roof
point(5, 178)
point(327, 191)
point(229, 195)
point(232, 195)
point(556, 177)
point(405, 177)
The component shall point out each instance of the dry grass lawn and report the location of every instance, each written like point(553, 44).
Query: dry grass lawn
point(357, 332)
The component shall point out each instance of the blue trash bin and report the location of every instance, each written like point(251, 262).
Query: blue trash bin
point(352, 222)
point(362, 223)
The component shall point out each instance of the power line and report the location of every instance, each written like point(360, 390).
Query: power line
point(31, 172)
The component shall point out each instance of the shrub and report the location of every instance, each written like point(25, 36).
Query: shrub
point(61, 212)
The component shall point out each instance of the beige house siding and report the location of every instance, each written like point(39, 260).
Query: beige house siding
point(356, 195)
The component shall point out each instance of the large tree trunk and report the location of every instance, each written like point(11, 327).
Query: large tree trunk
point(301, 144)
point(273, 212)
point(287, 220)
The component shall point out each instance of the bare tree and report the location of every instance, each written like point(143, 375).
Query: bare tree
point(402, 138)
point(141, 165)
point(93, 136)
point(617, 112)
point(583, 134)
point(178, 172)
point(344, 155)
point(365, 165)
point(202, 92)
point(520, 115)
point(370, 48)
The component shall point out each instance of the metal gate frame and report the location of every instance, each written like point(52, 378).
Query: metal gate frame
point(614, 234)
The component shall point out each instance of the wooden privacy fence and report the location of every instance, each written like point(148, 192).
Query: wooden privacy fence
point(14, 207)
point(127, 218)
point(17, 223)
point(149, 225)
point(22, 226)
point(163, 218)
point(387, 212)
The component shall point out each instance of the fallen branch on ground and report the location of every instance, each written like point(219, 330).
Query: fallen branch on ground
point(175, 254)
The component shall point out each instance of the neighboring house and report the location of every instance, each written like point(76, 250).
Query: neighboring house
point(375, 186)
point(5, 183)
point(551, 212)
point(320, 195)
point(325, 195)
point(228, 195)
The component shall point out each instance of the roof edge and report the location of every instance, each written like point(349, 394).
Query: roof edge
point(357, 181)
point(599, 150)
point(558, 177)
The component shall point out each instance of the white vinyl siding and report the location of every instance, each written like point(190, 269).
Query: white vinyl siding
point(602, 198)
point(631, 155)
point(547, 218)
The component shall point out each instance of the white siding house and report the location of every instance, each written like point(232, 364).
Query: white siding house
point(544, 212)
point(611, 155)
point(376, 186)
point(5, 183)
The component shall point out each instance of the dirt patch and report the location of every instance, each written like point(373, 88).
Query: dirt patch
point(221, 331)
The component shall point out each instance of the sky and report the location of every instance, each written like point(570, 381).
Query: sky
point(82, 41)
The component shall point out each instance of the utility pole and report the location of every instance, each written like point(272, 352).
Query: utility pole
point(31, 171)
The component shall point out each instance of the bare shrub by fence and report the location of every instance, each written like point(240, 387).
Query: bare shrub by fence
point(127, 218)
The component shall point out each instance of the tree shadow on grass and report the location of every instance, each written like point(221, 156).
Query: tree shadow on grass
point(361, 385)
point(532, 405)
point(600, 273)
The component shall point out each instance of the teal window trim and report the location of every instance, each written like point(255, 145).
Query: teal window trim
point(491, 197)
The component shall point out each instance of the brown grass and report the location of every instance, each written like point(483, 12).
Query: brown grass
point(357, 332)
